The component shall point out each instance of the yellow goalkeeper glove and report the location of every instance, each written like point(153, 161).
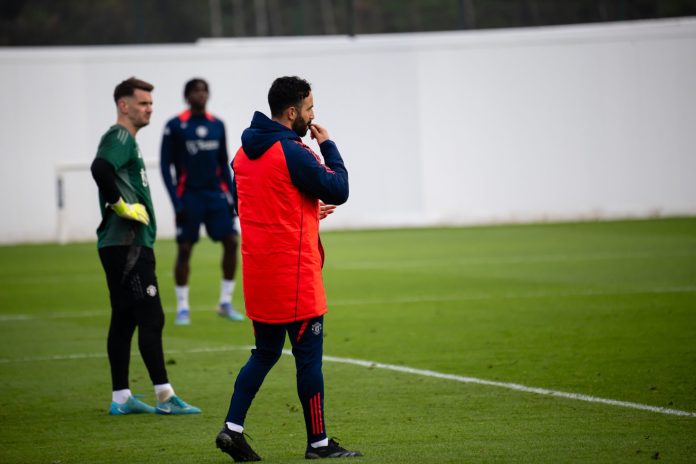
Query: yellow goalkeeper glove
point(131, 211)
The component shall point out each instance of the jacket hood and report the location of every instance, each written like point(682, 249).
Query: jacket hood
point(262, 133)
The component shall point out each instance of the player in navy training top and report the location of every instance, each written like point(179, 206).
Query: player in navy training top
point(195, 146)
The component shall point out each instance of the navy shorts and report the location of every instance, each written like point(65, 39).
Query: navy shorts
point(209, 208)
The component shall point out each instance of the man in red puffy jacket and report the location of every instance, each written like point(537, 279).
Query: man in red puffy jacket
point(280, 185)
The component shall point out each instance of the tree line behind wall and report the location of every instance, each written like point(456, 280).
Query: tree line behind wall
point(83, 22)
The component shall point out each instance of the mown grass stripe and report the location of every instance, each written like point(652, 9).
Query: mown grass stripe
point(395, 368)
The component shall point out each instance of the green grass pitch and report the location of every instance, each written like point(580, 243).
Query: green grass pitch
point(604, 309)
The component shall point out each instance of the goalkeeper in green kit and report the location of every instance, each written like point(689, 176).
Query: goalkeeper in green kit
point(125, 239)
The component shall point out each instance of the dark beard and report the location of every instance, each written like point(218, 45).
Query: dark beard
point(300, 127)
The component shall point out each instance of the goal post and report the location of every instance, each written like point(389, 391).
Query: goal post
point(76, 195)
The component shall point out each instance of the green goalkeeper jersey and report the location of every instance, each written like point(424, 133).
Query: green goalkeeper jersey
point(120, 149)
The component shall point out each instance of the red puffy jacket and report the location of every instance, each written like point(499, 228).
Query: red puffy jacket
point(277, 190)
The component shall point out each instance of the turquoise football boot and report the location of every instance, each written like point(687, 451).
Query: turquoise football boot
point(131, 406)
point(175, 405)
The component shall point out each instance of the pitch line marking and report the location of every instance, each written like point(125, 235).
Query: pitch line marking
point(509, 296)
point(402, 369)
point(68, 357)
point(510, 386)
point(495, 260)
point(398, 300)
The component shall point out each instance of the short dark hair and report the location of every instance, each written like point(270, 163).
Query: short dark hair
point(285, 92)
point(127, 88)
point(192, 83)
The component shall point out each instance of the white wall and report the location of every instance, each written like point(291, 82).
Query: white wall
point(595, 121)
